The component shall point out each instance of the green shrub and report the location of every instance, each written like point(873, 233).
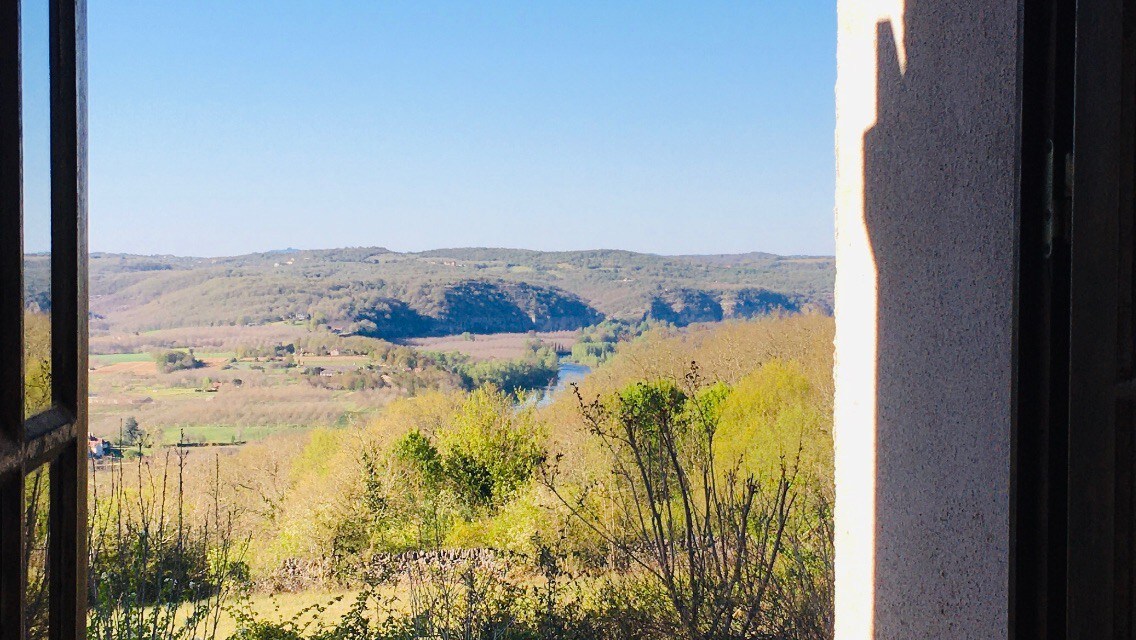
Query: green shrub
point(418, 452)
point(487, 451)
point(536, 369)
point(715, 537)
point(176, 360)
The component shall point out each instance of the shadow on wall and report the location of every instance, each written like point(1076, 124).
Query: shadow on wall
point(939, 196)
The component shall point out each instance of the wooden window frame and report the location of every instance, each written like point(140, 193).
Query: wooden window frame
point(1073, 542)
point(56, 436)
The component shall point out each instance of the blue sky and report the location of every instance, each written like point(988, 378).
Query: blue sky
point(228, 127)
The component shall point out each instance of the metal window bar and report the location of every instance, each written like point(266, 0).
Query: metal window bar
point(58, 435)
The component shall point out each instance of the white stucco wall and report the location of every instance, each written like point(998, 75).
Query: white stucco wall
point(927, 115)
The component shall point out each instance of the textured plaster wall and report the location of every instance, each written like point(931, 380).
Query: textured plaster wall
point(926, 142)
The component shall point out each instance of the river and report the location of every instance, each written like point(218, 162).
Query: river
point(566, 374)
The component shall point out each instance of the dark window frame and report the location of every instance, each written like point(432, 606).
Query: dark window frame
point(1073, 543)
point(56, 436)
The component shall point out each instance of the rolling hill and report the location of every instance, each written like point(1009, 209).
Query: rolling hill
point(374, 291)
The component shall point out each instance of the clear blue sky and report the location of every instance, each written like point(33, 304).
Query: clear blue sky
point(228, 127)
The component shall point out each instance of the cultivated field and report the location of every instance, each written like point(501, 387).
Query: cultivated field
point(209, 405)
point(219, 338)
point(254, 381)
point(496, 346)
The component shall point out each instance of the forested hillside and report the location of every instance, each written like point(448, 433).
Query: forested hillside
point(381, 293)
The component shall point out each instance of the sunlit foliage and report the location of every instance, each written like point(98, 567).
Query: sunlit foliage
point(37, 362)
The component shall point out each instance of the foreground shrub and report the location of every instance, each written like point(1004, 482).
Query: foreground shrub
point(712, 535)
point(445, 594)
point(487, 451)
point(156, 570)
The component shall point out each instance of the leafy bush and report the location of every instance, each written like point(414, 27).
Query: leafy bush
point(711, 534)
point(598, 343)
point(536, 369)
point(488, 451)
point(37, 362)
point(176, 360)
point(417, 451)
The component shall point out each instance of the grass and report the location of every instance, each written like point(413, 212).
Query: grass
point(283, 606)
point(171, 392)
point(220, 338)
point(216, 433)
point(118, 358)
point(267, 401)
point(496, 346)
point(215, 355)
point(335, 361)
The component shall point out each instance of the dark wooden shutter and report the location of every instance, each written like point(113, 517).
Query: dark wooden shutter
point(56, 436)
point(1076, 341)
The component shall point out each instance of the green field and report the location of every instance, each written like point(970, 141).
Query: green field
point(216, 434)
point(118, 358)
point(224, 401)
point(335, 361)
point(215, 355)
